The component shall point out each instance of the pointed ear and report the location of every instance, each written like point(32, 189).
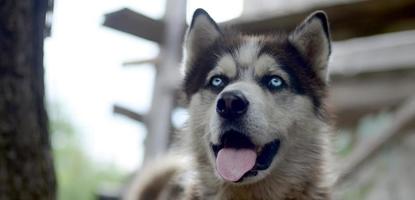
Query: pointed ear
point(312, 39)
point(203, 32)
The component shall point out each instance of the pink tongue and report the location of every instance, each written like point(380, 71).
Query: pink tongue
point(232, 164)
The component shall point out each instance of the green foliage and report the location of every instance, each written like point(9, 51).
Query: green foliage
point(360, 193)
point(343, 143)
point(78, 176)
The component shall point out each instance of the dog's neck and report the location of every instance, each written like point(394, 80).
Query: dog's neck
point(276, 190)
point(265, 189)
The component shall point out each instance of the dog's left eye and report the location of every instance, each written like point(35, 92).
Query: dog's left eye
point(274, 82)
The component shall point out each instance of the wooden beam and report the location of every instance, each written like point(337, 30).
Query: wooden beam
point(134, 23)
point(117, 109)
point(366, 73)
point(357, 96)
point(383, 52)
point(159, 116)
point(404, 119)
point(347, 20)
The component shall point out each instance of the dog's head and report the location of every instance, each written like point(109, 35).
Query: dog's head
point(256, 101)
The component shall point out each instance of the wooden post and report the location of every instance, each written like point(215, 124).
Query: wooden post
point(159, 116)
point(403, 120)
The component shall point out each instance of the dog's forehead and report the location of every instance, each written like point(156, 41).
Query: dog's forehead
point(247, 58)
point(247, 53)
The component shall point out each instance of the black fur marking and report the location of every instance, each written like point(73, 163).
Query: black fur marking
point(205, 61)
point(303, 79)
point(202, 65)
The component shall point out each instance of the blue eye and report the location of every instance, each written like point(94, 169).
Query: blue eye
point(275, 83)
point(218, 82)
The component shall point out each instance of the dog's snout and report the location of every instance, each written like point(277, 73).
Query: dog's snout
point(232, 104)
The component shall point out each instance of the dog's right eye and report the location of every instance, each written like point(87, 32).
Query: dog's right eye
point(218, 82)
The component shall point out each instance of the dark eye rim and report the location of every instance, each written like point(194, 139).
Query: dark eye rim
point(225, 81)
point(267, 78)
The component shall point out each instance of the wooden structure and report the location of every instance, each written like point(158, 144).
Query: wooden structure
point(157, 120)
point(372, 66)
point(348, 20)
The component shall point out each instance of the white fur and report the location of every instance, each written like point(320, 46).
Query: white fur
point(248, 52)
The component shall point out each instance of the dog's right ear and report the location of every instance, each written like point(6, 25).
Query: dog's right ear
point(312, 39)
point(203, 31)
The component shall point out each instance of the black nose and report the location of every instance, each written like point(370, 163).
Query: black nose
point(232, 104)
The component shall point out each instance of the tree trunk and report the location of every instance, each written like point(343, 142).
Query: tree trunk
point(26, 164)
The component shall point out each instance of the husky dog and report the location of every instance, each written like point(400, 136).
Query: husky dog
point(258, 125)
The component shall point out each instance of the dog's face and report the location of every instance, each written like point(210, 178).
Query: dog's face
point(256, 101)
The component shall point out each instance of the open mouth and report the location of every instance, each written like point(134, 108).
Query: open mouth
point(238, 157)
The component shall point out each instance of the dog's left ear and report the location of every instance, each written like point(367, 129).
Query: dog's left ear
point(312, 39)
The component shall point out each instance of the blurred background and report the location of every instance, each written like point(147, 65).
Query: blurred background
point(112, 75)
